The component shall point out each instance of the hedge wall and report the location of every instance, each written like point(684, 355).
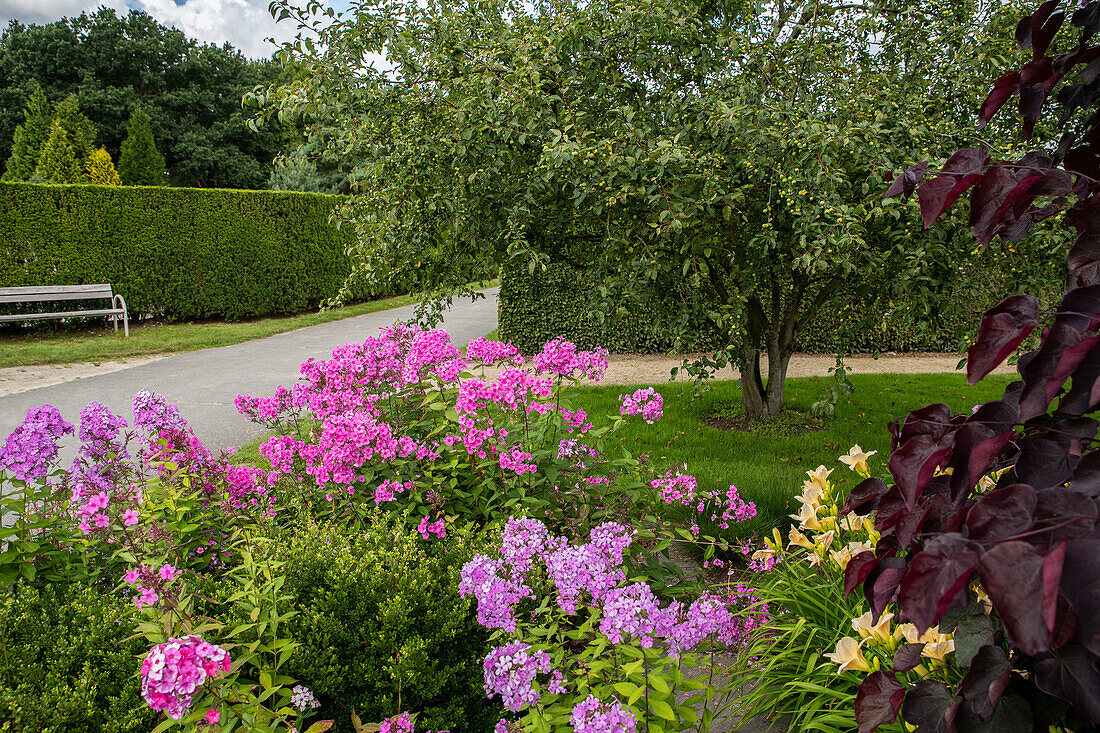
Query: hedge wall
point(550, 304)
point(176, 253)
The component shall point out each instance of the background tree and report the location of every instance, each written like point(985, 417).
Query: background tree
point(140, 164)
point(58, 163)
point(191, 92)
point(79, 130)
point(100, 170)
point(722, 152)
point(29, 137)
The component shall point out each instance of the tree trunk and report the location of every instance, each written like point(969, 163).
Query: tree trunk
point(764, 401)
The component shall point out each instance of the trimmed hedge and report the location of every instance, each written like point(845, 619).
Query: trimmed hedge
point(177, 253)
point(535, 308)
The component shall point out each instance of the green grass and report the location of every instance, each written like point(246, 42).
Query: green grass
point(99, 342)
point(769, 464)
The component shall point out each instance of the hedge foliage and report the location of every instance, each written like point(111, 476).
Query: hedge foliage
point(177, 253)
point(64, 669)
point(551, 303)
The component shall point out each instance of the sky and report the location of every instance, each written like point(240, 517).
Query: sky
point(243, 23)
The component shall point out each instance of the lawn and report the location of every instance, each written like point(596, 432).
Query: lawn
point(769, 464)
point(99, 342)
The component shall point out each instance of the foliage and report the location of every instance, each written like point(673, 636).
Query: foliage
point(139, 162)
point(58, 163)
point(62, 657)
point(79, 130)
point(29, 137)
point(115, 64)
point(100, 171)
point(177, 253)
point(724, 153)
point(305, 169)
point(380, 624)
point(1030, 540)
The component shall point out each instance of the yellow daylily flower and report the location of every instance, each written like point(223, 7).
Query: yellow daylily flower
point(844, 555)
point(868, 630)
point(807, 518)
point(938, 649)
point(856, 460)
point(811, 495)
point(849, 656)
point(799, 539)
point(819, 477)
point(825, 540)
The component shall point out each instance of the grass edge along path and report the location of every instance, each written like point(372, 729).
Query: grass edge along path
point(99, 342)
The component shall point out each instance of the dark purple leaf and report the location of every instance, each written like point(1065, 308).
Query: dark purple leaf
point(1064, 348)
point(1080, 308)
point(986, 200)
point(1003, 89)
point(935, 577)
point(1071, 674)
point(878, 700)
point(1066, 513)
point(1082, 159)
point(990, 672)
point(913, 464)
point(907, 657)
point(971, 633)
point(1041, 37)
point(1086, 477)
point(933, 420)
point(1081, 586)
point(1043, 462)
point(961, 171)
point(1003, 328)
point(891, 507)
point(1013, 713)
point(1087, 18)
point(857, 570)
point(1015, 576)
point(906, 183)
point(1002, 513)
point(979, 442)
point(1031, 106)
point(882, 584)
point(864, 497)
point(929, 706)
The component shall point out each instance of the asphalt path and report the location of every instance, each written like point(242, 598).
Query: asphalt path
point(204, 384)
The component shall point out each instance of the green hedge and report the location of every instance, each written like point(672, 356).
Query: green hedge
point(177, 253)
point(551, 303)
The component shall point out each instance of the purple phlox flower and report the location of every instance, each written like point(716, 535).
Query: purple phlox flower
point(593, 716)
point(32, 447)
point(510, 672)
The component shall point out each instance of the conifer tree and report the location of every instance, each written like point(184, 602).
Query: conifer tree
point(140, 163)
point(78, 128)
point(58, 162)
point(100, 170)
point(29, 137)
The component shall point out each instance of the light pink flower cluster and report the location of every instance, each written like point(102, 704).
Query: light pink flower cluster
point(150, 582)
point(561, 358)
point(173, 671)
point(646, 402)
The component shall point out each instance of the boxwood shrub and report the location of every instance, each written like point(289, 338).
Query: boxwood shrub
point(177, 253)
point(66, 666)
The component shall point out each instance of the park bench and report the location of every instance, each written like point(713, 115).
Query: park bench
point(48, 293)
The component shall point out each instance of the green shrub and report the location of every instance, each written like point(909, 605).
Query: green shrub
point(64, 667)
point(178, 253)
point(380, 624)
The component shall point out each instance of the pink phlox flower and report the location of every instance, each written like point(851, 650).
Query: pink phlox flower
point(496, 592)
point(593, 716)
point(510, 672)
point(172, 672)
point(401, 723)
point(32, 447)
point(646, 402)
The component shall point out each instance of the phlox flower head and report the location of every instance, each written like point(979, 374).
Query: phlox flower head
point(593, 716)
point(173, 671)
point(401, 723)
point(489, 353)
point(645, 402)
point(428, 529)
point(302, 699)
point(561, 358)
point(676, 487)
point(510, 672)
point(524, 541)
point(32, 447)
point(497, 594)
point(153, 414)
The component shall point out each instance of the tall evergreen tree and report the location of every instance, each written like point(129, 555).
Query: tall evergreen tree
point(58, 162)
point(140, 163)
point(78, 128)
point(100, 170)
point(29, 137)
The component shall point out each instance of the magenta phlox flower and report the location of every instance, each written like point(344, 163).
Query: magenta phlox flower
point(172, 672)
point(524, 541)
point(401, 723)
point(733, 508)
point(510, 672)
point(517, 460)
point(490, 353)
point(496, 593)
point(593, 716)
point(676, 487)
point(32, 447)
point(428, 529)
point(431, 352)
point(266, 410)
point(646, 402)
point(507, 726)
point(561, 358)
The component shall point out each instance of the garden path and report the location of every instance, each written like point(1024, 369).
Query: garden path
point(205, 383)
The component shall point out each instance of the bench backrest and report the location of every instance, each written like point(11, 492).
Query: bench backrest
point(55, 292)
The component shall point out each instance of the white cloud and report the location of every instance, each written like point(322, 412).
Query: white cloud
point(243, 23)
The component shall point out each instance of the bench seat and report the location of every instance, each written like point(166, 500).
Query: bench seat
point(56, 293)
